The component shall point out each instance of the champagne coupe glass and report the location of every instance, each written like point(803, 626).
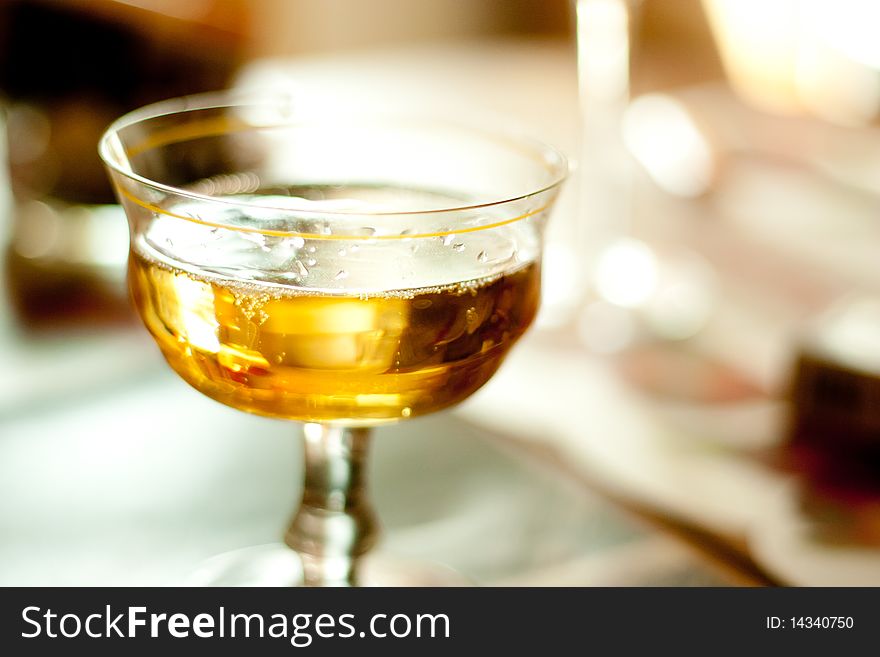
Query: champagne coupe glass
point(329, 266)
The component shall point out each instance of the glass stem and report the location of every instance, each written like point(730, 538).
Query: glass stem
point(335, 523)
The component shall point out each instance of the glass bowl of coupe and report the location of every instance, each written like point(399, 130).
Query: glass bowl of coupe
point(340, 269)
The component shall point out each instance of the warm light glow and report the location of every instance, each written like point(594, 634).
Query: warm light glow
point(834, 86)
point(819, 56)
point(850, 333)
point(684, 298)
point(104, 240)
point(757, 40)
point(663, 137)
point(40, 235)
point(626, 273)
point(850, 26)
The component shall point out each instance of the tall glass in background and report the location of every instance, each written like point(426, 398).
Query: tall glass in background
point(640, 152)
point(334, 268)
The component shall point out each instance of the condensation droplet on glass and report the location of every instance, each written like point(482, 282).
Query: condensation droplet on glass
point(458, 247)
point(406, 411)
point(280, 358)
point(482, 257)
point(342, 253)
point(340, 275)
point(448, 239)
point(354, 248)
point(311, 262)
point(300, 268)
point(297, 242)
point(310, 248)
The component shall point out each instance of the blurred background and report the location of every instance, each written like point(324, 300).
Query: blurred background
point(699, 403)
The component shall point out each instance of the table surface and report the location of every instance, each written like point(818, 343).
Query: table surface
point(139, 482)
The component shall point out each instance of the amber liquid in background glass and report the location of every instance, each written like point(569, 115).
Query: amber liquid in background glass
point(312, 356)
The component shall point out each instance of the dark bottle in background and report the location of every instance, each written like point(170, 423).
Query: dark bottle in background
point(67, 69)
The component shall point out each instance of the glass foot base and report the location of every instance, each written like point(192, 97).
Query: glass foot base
point(275, 564)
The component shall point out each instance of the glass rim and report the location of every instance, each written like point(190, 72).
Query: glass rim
point(552, 159)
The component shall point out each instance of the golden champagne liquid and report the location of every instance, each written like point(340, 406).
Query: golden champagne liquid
point(315, 356)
